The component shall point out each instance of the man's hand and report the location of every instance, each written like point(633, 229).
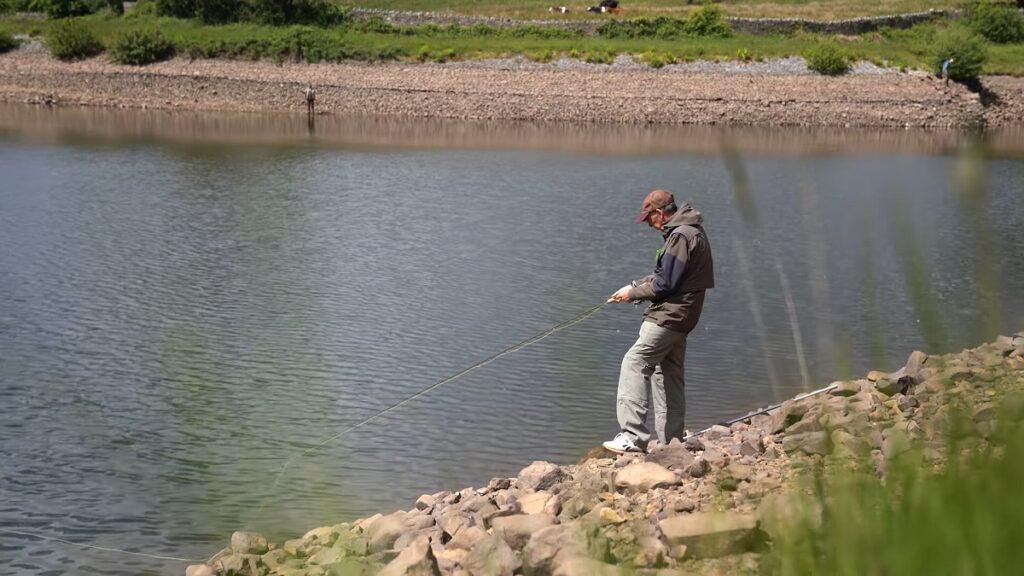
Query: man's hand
point(622, 295)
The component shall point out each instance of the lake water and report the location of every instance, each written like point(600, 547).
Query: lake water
point(188, 301)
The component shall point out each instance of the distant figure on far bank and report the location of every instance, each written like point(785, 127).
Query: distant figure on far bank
point(605, 7)
point(310, 100)
point(945, 69)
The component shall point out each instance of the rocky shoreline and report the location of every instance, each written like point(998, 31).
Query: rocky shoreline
point(775, 93)
point(709, 505)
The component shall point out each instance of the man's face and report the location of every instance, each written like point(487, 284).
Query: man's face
point(656, 219)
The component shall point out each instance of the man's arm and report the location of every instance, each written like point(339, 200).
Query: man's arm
point(669, 279)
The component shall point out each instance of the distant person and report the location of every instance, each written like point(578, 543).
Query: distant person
point(605, 6)
point(310, 100)
point(559, 9)
point(945, 69)
point(683, 271)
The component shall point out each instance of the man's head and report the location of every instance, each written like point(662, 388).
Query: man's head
point(657, 208)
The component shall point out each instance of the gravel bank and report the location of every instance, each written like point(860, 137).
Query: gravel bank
point(776, 93)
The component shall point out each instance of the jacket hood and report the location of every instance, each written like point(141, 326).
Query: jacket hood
point(685, 216)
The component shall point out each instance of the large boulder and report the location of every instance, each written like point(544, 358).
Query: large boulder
point(548, 544)
point(248, 543)
point(710, 535)
point(540, 476)
point(673, 456)
point(416, 560)
point(200, 570)
point(383, 532)
point(492, 556)
point(538, 502)
point(642, 476)
point(516, 530)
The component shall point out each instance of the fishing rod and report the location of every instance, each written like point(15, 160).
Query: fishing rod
point(760, 411)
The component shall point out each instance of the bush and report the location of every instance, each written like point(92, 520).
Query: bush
point(67, 8)
point(967, 50)
point(314, 12)
point(998, 22)
point(176, 8)
point(826, 57)
point(707, 20)
point(139, 47)
point(7, 42)
point(661, 27)
point(71, 40)
point(221, 11)
point(7, 6)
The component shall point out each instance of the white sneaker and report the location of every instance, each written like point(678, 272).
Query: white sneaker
point(621, 444)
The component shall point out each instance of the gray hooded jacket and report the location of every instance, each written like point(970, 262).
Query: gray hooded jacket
point(682, 272)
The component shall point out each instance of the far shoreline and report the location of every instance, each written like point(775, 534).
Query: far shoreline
point(516, 90)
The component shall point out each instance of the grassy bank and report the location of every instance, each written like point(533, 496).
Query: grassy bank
point(531, 9)
point(376, 40)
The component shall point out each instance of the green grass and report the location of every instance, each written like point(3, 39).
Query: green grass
point(896, 48)
point(967, 517)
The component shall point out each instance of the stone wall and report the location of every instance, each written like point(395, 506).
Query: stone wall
point(743, 25)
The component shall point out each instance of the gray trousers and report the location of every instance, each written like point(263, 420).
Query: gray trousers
point(654, 363)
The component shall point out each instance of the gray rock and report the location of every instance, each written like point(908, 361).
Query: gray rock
point(896, 442)
point(684, 505)
point(986, 412)
point(888, 387)
point(426, 502)
point(248, 543)
point(383, 532)
point(537, 502)
point(809, 443)
point(699, 468)
point(907, 403)
point(416, 560)
point(711, 535)
point(583, 566)
point(673, 456)
point(643, 476)
point(715, 456)
point(452, 520)
point(740, 472)
point(845, 389)
point(560, 540)
point(751, 448)
point(718, 431)
point(779, 512)
point(516, 530)
point(915, 362)
point(467, 538)
point(488, 516)
point(499, 484)
point(540, 476)
point(651, 553)
point(693, 444)
point(492, 556)
point(810, 423)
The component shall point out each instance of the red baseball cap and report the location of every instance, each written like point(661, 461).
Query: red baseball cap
point(656, 200)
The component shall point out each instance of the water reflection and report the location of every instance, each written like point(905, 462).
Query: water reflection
point(182, 126)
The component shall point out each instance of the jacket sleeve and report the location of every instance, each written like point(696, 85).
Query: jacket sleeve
point(668, 280)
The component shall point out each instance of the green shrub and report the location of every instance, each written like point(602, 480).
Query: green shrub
point(7, 6)
point(221, 11)
point(708, 20)
point(67, 8)
point(139, 47)
point(826, 57)
point(998, 22)
point(176, 8)
point(7, 42)
point(662, 27)
point(71, 40)
point(314, 12)
point(967, 50)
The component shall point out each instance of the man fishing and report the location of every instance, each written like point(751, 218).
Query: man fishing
point(682, 272)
